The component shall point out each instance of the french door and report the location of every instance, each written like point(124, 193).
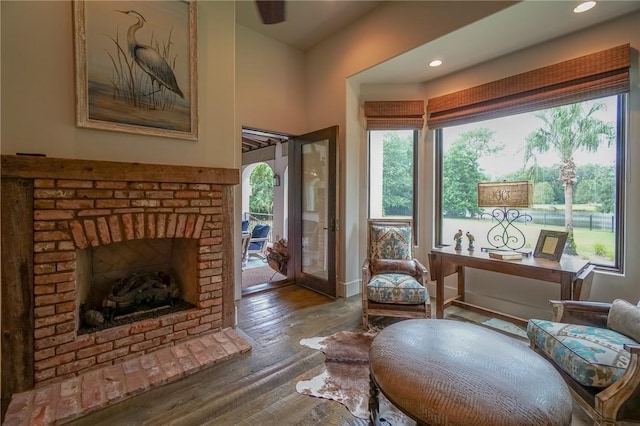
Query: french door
point(312, 210)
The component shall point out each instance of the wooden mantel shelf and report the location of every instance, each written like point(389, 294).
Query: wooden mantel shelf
point(63, 168)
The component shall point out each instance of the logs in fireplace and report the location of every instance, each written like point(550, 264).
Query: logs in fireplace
point(138, 296)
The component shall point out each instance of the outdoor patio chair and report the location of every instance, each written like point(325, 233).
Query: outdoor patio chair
point(258, 241)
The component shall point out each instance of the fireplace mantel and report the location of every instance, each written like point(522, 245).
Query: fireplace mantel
point(34, 167)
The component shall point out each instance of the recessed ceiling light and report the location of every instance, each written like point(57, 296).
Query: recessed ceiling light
point(435, 63)
point(584, 6)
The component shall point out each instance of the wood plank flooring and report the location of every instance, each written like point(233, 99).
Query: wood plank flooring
point(257, 388)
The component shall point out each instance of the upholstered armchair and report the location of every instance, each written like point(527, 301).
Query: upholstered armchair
point(596, 348)
point(393, 282)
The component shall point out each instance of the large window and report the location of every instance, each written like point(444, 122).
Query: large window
point(392, 131)
point(392, 172)
point(574, 154)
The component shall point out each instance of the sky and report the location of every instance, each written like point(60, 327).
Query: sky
point(511, 132)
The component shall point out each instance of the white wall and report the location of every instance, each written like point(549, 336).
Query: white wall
point(270, 89)
point(391, 29)
point(522, 297)
point(246, 79)
point(270, 95)
point(38, 92)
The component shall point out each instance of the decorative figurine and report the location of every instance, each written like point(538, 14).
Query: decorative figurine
point(458, 239)
point(471, 240)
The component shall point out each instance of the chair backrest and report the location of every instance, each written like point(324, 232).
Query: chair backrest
point(259, 237)
point(260, 231)
point(245, 226)
point(390, 239)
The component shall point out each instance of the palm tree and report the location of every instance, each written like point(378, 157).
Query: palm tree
point(567, 130)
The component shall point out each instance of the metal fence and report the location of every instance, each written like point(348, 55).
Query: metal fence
point(590, 221)
point(582, 220)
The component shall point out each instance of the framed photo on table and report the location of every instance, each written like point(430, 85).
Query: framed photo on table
point(550, 245)
point(136, 67)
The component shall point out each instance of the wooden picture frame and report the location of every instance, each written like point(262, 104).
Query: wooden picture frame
point(550, 245)
point(136, 67)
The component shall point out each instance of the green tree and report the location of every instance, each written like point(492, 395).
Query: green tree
point(597, 185)
point(567, 130)
point(397, 174)
point(585, 191)
point(261, 198)
point(543, 193)
point(461, 171)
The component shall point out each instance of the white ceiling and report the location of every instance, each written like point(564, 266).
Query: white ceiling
point(521, 25)
point(307, 21)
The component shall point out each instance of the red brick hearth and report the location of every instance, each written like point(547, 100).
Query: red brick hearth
point(69, 399)
point(62, 216)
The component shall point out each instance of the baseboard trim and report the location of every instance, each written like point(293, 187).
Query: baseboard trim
point(349, 289)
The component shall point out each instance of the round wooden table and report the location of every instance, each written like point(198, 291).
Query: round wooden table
point(448, 372)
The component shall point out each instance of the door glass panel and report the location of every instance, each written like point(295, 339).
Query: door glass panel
point(314, 208)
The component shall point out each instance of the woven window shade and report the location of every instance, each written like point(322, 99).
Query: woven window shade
point(394, 115)
point(592, 76)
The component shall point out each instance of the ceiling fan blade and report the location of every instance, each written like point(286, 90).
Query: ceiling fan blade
point(271, 11)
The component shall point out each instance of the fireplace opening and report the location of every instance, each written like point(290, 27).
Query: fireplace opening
point(125, 282)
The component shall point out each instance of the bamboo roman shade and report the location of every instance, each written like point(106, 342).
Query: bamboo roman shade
point(599, 74)
point(394, 115)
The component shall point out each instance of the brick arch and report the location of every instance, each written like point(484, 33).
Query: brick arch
point(115, 228)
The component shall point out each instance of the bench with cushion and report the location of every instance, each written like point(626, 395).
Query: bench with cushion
point(596, 347)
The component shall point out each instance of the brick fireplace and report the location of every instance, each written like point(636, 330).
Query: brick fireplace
point(68, 212)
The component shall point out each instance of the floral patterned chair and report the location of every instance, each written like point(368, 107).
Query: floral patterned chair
point(393, 282)
point(596, 348)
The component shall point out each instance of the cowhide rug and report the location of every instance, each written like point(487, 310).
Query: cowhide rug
point(346, 376)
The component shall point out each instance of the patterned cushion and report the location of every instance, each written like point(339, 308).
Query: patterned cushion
point(592, 356)
point(396, 288)
point(625, 318)
point(390, 242)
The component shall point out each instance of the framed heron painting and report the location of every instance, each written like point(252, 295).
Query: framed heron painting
point(136, 67)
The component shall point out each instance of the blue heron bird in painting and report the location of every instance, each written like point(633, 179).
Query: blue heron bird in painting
point(148, 58)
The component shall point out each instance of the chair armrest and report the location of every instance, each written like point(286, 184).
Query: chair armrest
point(580, 312)
point(263, 246)
point(633, 348)
point(422, 273)
point(366, 274)
point(622, 395)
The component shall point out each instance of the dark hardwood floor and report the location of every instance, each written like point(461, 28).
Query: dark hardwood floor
point(257, 388)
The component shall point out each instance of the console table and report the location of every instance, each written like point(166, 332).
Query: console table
point(572, 274)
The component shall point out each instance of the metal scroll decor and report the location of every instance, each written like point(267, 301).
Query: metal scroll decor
point(506, 235)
